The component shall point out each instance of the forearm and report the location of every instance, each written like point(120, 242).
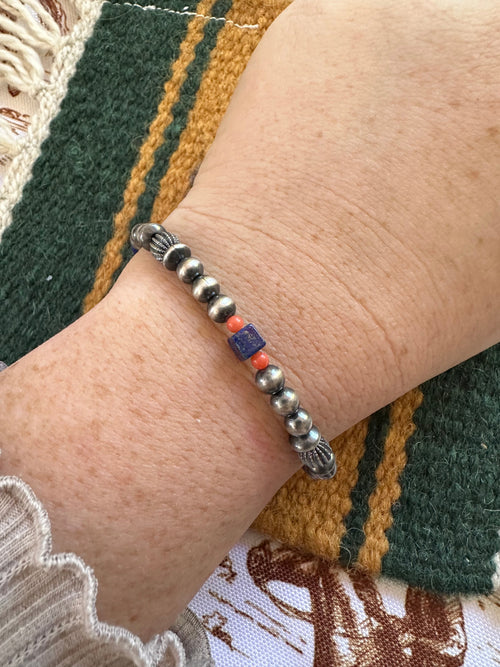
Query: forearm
point(148, 444)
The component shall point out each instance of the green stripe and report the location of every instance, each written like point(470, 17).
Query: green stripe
point(355, 520)
point(180, 115)
point(66, 212)
point(445, 529)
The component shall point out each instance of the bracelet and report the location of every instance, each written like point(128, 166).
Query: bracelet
point(305, 438)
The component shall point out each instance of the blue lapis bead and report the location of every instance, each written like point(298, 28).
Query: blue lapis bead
point(246, 342)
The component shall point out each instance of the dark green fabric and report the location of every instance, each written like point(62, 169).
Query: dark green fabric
point(180, 113)
point(374, 451)
point(448, 516)
point(79, 179)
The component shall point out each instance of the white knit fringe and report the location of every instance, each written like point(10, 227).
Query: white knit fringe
point(33, 35)
point(28, 33)
point(496, 574)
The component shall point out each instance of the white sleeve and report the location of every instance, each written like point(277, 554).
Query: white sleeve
point(47, 602)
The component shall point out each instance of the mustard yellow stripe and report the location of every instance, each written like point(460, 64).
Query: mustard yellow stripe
point(311, 515)
point(112, 257)
point(327, 528)
point(229, 58)
point(388, 488)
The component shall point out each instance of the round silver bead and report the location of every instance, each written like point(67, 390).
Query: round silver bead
point(285, 402)
point(299, 423)
point(221, 308)
point(134, 237)
point(189, 269)
point(146, 232)
point(307, 442)
point(270, 380)
point(204, 288)
point(174, 255)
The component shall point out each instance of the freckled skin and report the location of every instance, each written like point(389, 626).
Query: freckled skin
point(356, 226)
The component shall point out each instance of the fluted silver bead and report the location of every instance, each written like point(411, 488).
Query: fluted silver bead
point(270, 380)
point(189, 269)
point(221, 308)
point(285, 402)
point(299, 423)
point(204, 288)
point(174, 255)
point(307, 442)
point(320, 462)
point(160, 243)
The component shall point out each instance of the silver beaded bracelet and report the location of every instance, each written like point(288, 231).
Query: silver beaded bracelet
point(305, 438)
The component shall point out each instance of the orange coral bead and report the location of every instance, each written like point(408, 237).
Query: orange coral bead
point(260, 360)
point(235, 323)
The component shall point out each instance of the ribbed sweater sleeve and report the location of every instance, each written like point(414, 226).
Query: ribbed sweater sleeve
point(47, 602)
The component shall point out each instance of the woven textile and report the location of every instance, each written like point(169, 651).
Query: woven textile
point(417, 495)
point(270, 605)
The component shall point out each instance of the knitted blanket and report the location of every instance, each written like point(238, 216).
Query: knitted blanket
point(109, 131)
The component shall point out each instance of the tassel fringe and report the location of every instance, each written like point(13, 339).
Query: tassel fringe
point(28, 33)
point(38, 58)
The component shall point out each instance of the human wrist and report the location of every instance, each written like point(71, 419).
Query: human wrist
point(182, 349)
point(332, 294)
point(320, 334)
point(257, 292)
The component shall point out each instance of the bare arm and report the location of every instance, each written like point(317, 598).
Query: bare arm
point(349, 207)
